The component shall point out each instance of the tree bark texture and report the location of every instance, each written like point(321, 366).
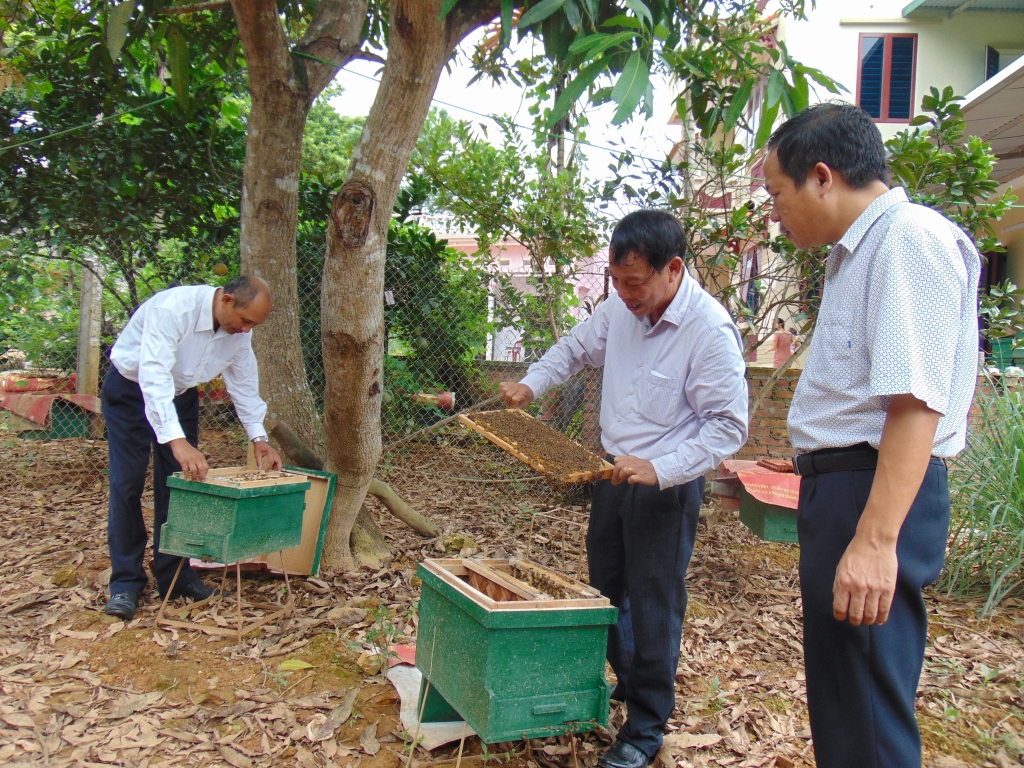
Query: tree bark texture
point(282, 88)
point(352, 319)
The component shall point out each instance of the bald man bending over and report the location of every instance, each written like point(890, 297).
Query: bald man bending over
point(178, 339)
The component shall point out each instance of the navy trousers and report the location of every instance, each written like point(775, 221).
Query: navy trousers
point(862, 681)
point(129, 437)
point(639, 545)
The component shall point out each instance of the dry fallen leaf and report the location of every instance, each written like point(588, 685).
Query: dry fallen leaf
point(368, 741)
point(292, 665)
point(683, 740)
point(236, 759)
point(336, 719)
point(18, 720)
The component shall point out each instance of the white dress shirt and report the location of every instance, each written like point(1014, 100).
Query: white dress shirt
point(899, 315)
point(674, 394)
point(169, 346)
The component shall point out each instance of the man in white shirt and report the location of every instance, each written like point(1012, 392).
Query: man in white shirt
point(673, 406)
point(882, 401)
point(178, 339)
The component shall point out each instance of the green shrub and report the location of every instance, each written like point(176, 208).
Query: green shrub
point(986, 485)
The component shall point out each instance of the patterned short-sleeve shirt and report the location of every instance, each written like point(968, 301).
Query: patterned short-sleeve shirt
point(899, 315)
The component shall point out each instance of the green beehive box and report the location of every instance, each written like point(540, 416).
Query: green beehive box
point(769, 522)
point(66, 420)
point(229, 520)
point(512, 668)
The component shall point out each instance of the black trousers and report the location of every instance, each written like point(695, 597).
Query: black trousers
point(129, 437)
point(639, 545)
point(862, 681)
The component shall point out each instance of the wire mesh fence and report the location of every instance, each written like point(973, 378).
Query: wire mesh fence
point(453, 333)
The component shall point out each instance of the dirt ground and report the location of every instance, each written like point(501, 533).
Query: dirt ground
point(79, 688)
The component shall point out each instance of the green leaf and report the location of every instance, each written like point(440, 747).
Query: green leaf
point(739, 102)
point(764, 130)
point(446, 8)
point(572, 14)
point(574, 90)
point(539, 12)
point(293, 665)
point(506, 22)
point(775, 83)
point(118, 17)
point(641, 10)
point(800, 92)
point(824, 80)
point(630, 87)
point(622, 20)
point(177, 58)
point(606, 42)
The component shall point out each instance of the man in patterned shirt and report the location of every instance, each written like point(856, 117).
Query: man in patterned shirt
point(882, 401)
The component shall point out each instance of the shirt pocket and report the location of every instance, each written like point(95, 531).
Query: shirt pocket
point(838, 358)
point(660, 402)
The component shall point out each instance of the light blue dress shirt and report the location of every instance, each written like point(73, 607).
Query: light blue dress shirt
point(674, 393)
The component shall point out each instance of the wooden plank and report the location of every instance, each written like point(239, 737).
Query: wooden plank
point(507, 581)
point(566, 583)
point(444, 571)
point(299, 559)
point(226, 475)
point(575, 477)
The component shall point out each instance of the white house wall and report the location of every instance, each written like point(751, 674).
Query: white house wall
point(950, 51)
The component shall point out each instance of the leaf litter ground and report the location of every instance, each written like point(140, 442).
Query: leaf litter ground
point(79, 688)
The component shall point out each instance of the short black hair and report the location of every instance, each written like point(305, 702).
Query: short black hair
point(244, 290)
point(840, 135)
point(658, 236)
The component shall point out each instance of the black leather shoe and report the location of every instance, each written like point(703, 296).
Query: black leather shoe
point(193, 590)
point(622, 754)
point(123, 605)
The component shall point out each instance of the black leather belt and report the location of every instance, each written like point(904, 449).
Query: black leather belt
point(860, 456)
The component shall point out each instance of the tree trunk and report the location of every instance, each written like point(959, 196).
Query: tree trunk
point(352, 320)
point(282, 87)
point(270, 186)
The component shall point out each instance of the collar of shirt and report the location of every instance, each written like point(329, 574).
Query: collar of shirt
point(205, 320)
point(849, 242)
point(676, 308)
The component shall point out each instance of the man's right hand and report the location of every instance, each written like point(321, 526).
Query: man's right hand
point(193, 463)
point(516, 395)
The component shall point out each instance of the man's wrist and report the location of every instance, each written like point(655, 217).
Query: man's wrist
point(259, 439)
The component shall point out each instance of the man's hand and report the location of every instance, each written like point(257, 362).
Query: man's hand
point(516, 395)
point(632, 470)
point(865, 582)
point(266, 457)
point(193, 463)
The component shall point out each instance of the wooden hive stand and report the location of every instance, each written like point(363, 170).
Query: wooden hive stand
point(278, 610)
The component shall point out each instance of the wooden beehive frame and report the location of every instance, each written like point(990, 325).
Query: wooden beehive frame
point(576, 477)
point(226, 476)
point(452, 570)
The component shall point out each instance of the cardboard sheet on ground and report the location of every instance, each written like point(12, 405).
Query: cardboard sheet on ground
point(406, 680)
point(779, 488)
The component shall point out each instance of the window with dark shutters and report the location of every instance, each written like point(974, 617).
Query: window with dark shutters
point(885, 78)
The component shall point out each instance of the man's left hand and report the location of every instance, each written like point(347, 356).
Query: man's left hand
point(630, 469)
point(865, 582)
point(266, 457)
